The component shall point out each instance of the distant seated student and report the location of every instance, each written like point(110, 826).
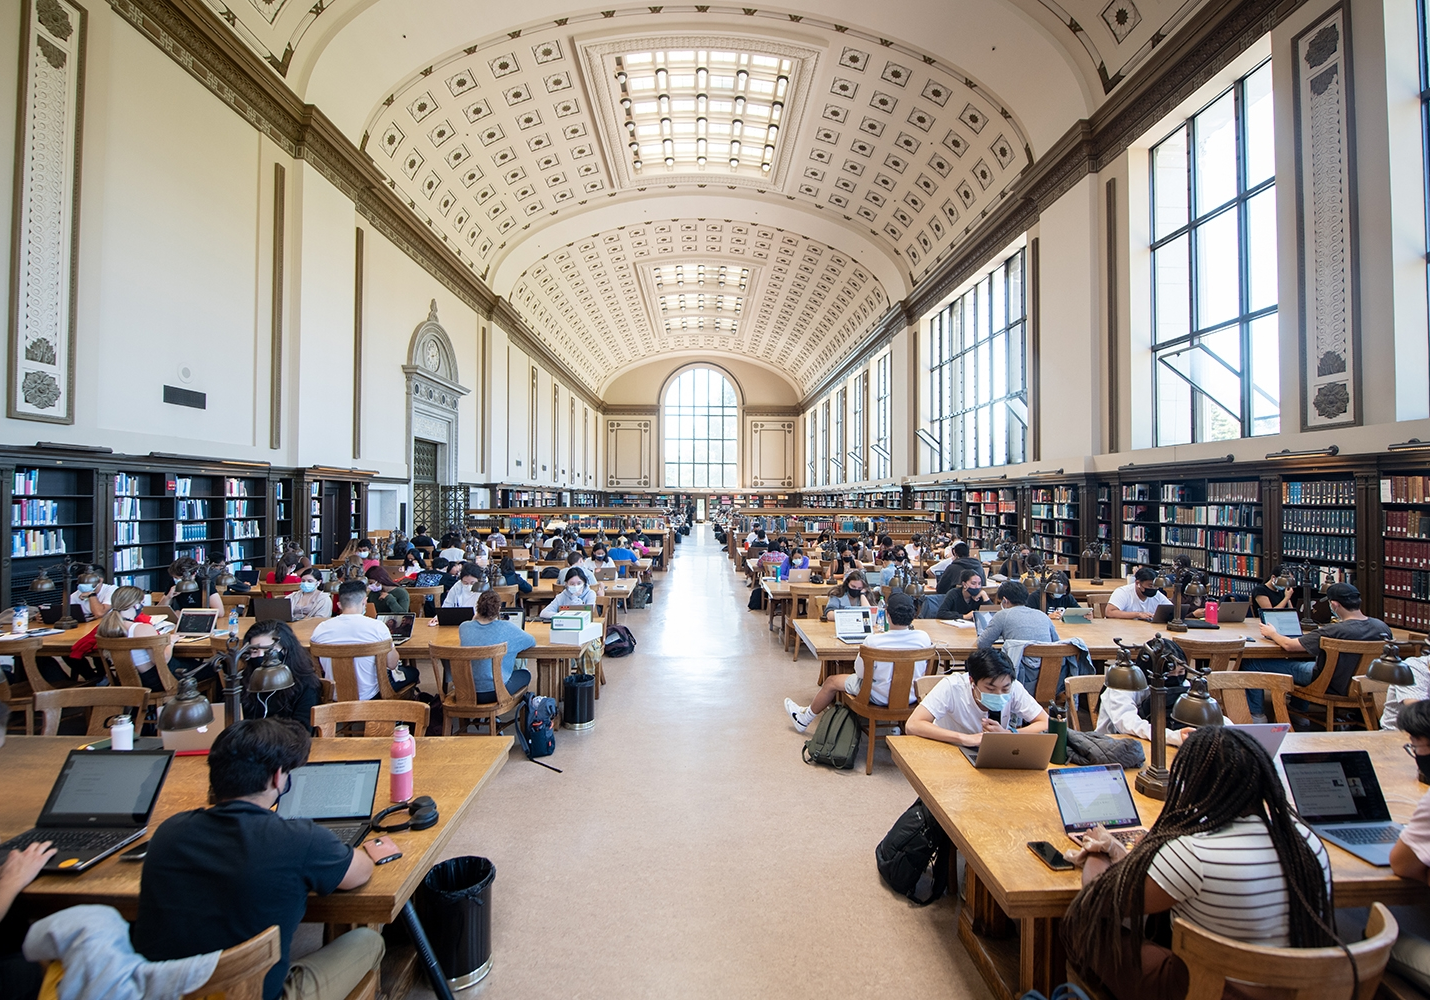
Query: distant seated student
point(949, 578)
point(900, 608)
point(386, 595)
point(309, 600)
point(487, 628)
point(1128, 713)
point(92, 595)
point(496, 539)
point(412, 564)
point(798, 560)
point(1056, 603)
point(295, 702)
point(1268, 597)
point(985, 699)
point(1400, 696)
point(574, 595)
point(850, 592)
point(1138, 599)
point(351, 625)
point(284, 572)
point(1351, 623)
point(452, 548)
point(180, 570)
point(422, 538)
point(473, 584)
point(511, 578)
point(120, 622)
point(573, 559)
point(968, 598)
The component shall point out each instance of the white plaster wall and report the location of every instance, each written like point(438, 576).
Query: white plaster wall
point(642, 384)
point(1069, 261)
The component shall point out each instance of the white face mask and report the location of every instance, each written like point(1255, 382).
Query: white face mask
point(574, 587)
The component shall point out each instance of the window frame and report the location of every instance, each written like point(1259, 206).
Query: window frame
point(837, 440)
point(882, 466)
point(670, 418)
point(858, 425)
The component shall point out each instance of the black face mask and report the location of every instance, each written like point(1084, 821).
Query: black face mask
point(1422, 764)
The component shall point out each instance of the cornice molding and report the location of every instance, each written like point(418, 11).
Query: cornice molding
point(632, 411)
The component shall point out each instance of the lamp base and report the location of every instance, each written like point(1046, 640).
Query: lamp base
point(1096, 581)
point(1177, 626)
point(1152, 782)
point(66, 623)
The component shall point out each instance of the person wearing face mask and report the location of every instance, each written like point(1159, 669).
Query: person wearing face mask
point(295, 702)
point(472, 585)
point(309, 600)
point(1127, 713)
point(968, 598)
point(574, 561)
point(122, 621)
point(1138, 599)
point(901, 611)
point(575, 593)
point(387, 596)
point(987, 698)
point(851, 592)
point(367, 552)
point(92, 594)
point(179, 569)
point(1410, 855)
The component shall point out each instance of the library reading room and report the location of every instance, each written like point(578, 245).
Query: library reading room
point(684, 501)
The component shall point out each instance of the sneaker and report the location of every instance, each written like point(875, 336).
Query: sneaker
point(1258, 719)
point(795, 711)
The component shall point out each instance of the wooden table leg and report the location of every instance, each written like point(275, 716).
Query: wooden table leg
point(1042, 965)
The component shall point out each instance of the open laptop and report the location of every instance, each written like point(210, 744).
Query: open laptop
point(853, 625)
point(1163, 614)
point(799, 575)
point(1012, 751)
point(981, 620)
point(1232, 612)
point(606, 573)
point(272, 609)
point(1338, 796)
point(336, 794)
point(1269, 734)
point(51, 613)
point(248, 576)
point(1287, 623)
point(195, 624)
point(1096, 795)
point(100, 803)
point(196, 741)
point(454, 616)
point(399, 625)
point(514, 615)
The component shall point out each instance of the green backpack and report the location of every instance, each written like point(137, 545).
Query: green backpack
point(836, 739)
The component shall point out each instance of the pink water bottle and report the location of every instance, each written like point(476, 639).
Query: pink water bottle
point(1211, 609)
point(404, 748)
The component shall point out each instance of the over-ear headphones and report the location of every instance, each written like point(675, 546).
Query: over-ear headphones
point(422, 810)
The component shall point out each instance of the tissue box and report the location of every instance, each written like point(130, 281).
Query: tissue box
point(574, 621)
point(575, 637)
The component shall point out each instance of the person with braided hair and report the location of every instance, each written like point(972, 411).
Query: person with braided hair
point(1227, 854)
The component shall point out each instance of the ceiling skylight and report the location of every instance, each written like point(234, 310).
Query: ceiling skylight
point(700, 298)
point(702, 109)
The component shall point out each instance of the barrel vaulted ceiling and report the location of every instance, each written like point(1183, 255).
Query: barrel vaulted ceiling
point(743, 181)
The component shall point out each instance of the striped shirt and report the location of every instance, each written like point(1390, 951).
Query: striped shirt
point(1230, 881)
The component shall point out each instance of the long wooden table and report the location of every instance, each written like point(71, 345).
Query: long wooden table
point(1013, 904)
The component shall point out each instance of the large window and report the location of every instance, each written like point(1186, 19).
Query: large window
point(824, 443)
point(1216, 360)
point(855, 457)
point(811, 450)
point(701, 437)
point(880, 447)
point(978, 389)
point(839, 444)
point(1425, 119)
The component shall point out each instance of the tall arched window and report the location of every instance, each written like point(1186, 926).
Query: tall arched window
point(701, 434)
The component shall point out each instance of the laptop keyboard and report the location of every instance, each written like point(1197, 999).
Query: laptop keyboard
point(1365, 834)
point(349, 833)
point(71, 841)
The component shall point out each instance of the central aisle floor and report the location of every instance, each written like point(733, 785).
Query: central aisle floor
point(687, 850)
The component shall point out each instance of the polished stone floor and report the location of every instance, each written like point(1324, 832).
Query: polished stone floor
point(686, 850)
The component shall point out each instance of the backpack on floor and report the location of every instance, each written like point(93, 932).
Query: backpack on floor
point(619, 641)
point(836, 739)
point(641, 595)
point(536, 721)
point(914, 847)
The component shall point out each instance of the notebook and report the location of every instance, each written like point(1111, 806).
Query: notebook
point(272, 609)
point(100, 803)
point(336, 794)
point(853, 625)
point(1287, 623)
point(1338, 796)
point(1093, 796)
point(1012, 751)
point(399, 625)
point(454, 616)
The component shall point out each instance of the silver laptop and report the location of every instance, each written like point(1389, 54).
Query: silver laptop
point(1096, 796)
point(1269, 734)
point(981, 620)
point(337, 794)
point(195, 624)
point(1232, 612)
point(853, 625)
point(1338, 796)
point(1012, 751)
point(1287, 623)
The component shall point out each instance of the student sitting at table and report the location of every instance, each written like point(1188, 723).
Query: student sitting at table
point(1016, 625)
point(422, 539)
point(451, 575)
point(1138, 599)
point(119, 622)
point(1226, 853)
point(1055, 603)
point(181, 569)
point(951, 576)
point(901, 611)
point(496, 539)
point(472, 585)
point(295, 702)
point(412, 564)
point(92, 596)
point(573, 559)
point(1351, 623)
point(213, 878)
point(622, 553)
point(968, 598)
point(851, 592)
point(488, 628)
point(309, 600)
point(1129, 713)
point(511, 578)
point(986, 698)
point(352, 625)
point(387, 596)
point(285, 572)
point(19, 978)
point(1268, 597)
point(574, 595)
point(451, 548)
point(798, 560)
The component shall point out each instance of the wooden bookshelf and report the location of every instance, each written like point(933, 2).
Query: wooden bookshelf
point(1055, 522)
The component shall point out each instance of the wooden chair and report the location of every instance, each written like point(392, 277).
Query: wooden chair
point(417, 597)
point(507, 595)
point(118, 655)
point(901, 685)
point(1221, 654)
point(241, 969)
point(1090, 685)
point(1371, 697)
point(819, 603)
point(51, 704)
point(1098, 605)
point(240, 601)
point(1297, 973)
point(459, 699)
point(19, 696)
point(277, 589)
point(341, 655)
point(923, 685)
point(372, 718)
point(1316, 692)
point(1050, 656)
point(1229, 688)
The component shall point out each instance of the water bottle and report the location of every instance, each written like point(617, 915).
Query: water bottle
point(21, 623)
point(121, 733)
point(233, 620)
point(1058, 723)
point(881, 618)
point(1212, 612)
point(404, 748)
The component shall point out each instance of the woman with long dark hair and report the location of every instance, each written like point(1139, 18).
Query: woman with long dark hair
point(294, 702)
point(1227, 853)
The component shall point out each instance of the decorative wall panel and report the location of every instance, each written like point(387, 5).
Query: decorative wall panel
point(46, 212)
point(1326, 223)
point(628, 456)
point(771, 453)
point(433, 394)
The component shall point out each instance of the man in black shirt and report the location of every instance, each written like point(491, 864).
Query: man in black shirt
point(422, 538)
point(1350, 624)
point(951, 576)
point(215, 877)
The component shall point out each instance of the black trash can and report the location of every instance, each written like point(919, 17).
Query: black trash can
point(578, 701)
point(454, 903)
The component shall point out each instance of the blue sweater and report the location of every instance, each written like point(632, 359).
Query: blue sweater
point(474, 633)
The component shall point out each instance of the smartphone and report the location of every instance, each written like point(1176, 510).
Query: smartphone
point(1050, 856)
point(382, 850)
point(136, 853)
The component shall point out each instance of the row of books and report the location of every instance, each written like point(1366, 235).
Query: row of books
point(1243, 492)
point(239, 508)
point(1407, 523)
point(1342, 522)
point(191, 532)
point(128, 559)
point(1058, 494)
point(1068, 529)
point(243, 529)
point(235, 488)
point(191, 510)
point(1328, 492)
point(1338, 547)
point(1413, 554)
point(1049, 543)
point(128, 508)
point(1135, 554)
point(37, 542)
point(27, 482)
point(1236, 515)
point(1237, 565)
point(1059, 510)
point(126, 533)
point(1406, 614)
point(126, 485)
point(1405, 489)
point(1408, 583)
point(34, 512)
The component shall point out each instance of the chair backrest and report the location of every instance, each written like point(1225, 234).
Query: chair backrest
point(241, 969)
point(1229, 688)
point(507, 595)
point(1090, 685)
point(53, 703)
point(901, 683)
point(1221, 654)
point(1333, 650)
point(1098, 603)
point(923, 685)
point(1371, 695)
point(1297, 973)
point(118, 654)
point(374, 718)
point(416, 594)
point(26, 653)
point(277, 589)
point(342, 654)
point(457, 661)
point(1050, 656)
point(818, 604)
point(240, 601)
point(156, 611)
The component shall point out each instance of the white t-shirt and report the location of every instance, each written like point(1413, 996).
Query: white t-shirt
point(1398, 693)
point(354, 629)
point(453, 554)
point(461, 596)
point(1125, 598)
point(1230, 881)
point(953, 708)
point(904, 638)
point(104, 592)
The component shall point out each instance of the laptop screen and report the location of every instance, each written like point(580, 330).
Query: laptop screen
point(1088, 796)
point(106, 788)
point(1284, 622)
point(850, 622)
point(339, 789)
point(399, 625)
point(981, 620)
point(1335, 787)
point(195, 622)
point(514, 615)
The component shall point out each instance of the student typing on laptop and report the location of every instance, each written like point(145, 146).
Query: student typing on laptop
point(351, 625)
point(1138, 599)
point(19, 978)
point(850, 592)
point(1128, 713)
point(1226, 853)
point(901, 611)
point(985, 699)
point(1350, 623)
point(215, 877)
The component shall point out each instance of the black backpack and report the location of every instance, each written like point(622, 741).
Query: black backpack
point(619, 641)
point(914, 847)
